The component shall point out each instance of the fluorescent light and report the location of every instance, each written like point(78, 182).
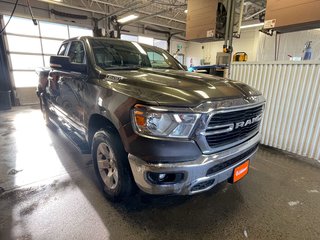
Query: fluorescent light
point(252, 25)
point(127, 18)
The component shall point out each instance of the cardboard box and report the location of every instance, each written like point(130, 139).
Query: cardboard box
point(201, 19)
point(288, 15)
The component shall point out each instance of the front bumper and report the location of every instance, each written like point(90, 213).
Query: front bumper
point(199, 175)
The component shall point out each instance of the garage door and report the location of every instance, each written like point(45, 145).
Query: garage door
point(31, 46)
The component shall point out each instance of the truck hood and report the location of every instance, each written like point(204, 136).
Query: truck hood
point(175, 87)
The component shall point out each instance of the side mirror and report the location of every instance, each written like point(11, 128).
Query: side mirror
point(63, 63)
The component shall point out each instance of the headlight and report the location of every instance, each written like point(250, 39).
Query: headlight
point(153, 122)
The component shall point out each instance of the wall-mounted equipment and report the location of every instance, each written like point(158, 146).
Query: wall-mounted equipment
point(222, 58)
point(288, 16)
point(240, 57)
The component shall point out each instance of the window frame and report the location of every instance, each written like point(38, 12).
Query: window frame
point(66, 50)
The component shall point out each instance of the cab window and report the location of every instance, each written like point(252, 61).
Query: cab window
point(76, 52)
point(63, 49)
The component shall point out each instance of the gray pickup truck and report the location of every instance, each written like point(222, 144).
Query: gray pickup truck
point(146, 121)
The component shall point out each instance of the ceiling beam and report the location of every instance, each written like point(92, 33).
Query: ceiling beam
point(104, 13)
point(140, 11)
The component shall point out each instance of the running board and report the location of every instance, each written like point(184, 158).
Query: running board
point(75, 139)
point(81, 145)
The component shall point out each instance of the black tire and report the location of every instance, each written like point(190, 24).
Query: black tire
point(116, 187)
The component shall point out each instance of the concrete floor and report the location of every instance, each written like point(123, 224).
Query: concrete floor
point(48, 191)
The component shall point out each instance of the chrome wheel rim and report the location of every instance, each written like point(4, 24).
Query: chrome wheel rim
point(107, 166)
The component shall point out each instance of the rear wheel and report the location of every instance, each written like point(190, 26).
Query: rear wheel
point(111, 165)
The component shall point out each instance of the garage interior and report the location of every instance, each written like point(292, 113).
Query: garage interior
point(48, 189)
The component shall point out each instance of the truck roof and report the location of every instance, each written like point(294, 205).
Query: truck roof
point(106, 38)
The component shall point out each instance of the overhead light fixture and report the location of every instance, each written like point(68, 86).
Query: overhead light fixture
point(127, 18)
point(186, 11)
point(252, 25)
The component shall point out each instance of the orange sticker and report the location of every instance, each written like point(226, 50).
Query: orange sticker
point(241, 171)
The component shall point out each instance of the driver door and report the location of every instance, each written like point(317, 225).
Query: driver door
point(71, 86)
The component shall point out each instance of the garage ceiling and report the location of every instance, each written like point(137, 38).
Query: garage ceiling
point(168, 14)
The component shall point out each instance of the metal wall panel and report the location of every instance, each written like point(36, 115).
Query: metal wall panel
point(292, 116)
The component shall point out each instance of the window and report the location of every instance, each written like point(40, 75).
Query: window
point(158, 60)
point(113, 54)
point(21, 26)
point(46, 61)
point(24, 44)
point(25, 62)
point(129, 38)
point(31, 46)
point(50, 46)
point(53, 30)
point(76, 52)
point(160, 43)
point(145, 40)
point(25, 78)
point(63, 49)
point(77, 31)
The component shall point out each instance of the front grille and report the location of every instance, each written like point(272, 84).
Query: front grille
point(219, 136)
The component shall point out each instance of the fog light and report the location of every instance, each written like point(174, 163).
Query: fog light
point(164, 178)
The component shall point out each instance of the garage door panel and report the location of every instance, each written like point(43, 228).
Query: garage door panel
point(25, 62)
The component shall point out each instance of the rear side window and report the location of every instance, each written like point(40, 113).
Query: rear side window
point(76, 52)
point(63, 49)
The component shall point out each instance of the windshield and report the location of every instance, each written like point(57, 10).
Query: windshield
point(115, 54)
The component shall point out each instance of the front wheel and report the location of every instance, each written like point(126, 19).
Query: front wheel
point(111, 165)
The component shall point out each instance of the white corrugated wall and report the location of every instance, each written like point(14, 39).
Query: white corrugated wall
point(292, 116)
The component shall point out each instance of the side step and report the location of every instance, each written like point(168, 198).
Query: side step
point(75, 139)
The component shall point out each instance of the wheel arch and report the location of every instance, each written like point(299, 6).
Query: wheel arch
point(97, 122)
